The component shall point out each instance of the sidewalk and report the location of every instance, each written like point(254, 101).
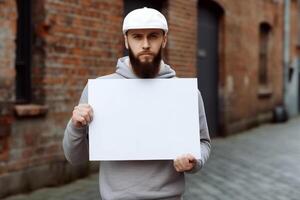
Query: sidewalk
point(259, 164)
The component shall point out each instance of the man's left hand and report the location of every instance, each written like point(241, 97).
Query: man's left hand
point(184, 163)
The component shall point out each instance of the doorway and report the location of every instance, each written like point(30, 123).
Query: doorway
point(209, 14)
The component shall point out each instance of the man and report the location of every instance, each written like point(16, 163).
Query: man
point(145, 33)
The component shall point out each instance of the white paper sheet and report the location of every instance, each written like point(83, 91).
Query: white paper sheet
point(143, 119)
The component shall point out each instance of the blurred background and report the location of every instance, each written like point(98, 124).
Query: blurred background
point(245, 54)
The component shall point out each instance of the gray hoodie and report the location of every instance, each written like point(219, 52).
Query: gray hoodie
point(129, 180)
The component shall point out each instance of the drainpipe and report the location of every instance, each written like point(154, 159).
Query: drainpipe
point(286, 45)
point(298, 21)
point(286, 50)
point(298, 53)
point(280, 112)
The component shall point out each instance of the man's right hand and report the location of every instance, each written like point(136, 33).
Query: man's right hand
point(82, 115)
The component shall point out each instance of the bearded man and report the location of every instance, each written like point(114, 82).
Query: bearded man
point(145, 33)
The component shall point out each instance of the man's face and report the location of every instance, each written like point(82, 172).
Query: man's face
point(145, 51)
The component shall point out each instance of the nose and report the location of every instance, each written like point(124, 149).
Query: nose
point(146, 44)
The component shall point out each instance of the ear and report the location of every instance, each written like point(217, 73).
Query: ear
point(165, 39)
point(126, 41)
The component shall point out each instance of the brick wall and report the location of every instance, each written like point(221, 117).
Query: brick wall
point(7, 73)
point(182, 36)
point(240, 105)
point(77, 39)
point(244, 107)
point(73, 41)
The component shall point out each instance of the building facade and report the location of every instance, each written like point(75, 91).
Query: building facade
point(50, 48)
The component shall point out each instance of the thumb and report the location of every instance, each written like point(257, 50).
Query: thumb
point(191, 158)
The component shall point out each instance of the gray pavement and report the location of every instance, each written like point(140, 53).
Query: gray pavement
point(258, 164)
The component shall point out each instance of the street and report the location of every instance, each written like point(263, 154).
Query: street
point(259, 164)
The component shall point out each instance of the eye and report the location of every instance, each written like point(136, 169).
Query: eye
point(137, 37)
point(153, 36)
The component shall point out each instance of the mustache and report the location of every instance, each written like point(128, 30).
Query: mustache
point(146, 53)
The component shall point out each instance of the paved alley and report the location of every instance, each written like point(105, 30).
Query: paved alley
point(259, 164)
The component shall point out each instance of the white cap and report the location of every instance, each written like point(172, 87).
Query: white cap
point(145, 18)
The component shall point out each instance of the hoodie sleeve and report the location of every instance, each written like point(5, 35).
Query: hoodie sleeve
point(75, 141)
point(204, 136)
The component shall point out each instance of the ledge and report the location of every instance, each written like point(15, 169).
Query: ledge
point(30, 110)
point(264, 92)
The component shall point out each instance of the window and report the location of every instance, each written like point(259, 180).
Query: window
point(23, 52)
point(264, 40)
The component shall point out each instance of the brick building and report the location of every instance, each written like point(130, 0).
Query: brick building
point(49, 48)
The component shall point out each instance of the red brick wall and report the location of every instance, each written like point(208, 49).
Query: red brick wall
point(7, 73)
point(83, 41)
point(73, 41)
point(240, 104)
point(243, 106)
point(77, 40)
point(182, 19)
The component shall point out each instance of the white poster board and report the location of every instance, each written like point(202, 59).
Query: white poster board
point(143, 119)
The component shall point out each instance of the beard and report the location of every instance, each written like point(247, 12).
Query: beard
point(147, 69)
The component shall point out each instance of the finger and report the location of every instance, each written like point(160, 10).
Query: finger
point(186, 164)
point(177, 167)
point(82, 111)
point(82, 120)
point(81, 108)
point(177, 164)
point(191, 158)
point(86, 112)
point(89, 112)
point(189, 167)
point(75, 115)
point(182, 161)
point(185, 160)
point(84, 105)
point(87, 118)
point(80, 117)
point(192, 162)
point(79, 120)
point(85, 115)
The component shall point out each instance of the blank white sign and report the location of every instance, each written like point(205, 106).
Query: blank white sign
point(143, 119)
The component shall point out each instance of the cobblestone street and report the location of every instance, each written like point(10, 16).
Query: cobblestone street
point(259, 164)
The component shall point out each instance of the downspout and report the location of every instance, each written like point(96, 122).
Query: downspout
point(280, 113)
point(298, 52)
point(286, 48)
point(298, 21)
